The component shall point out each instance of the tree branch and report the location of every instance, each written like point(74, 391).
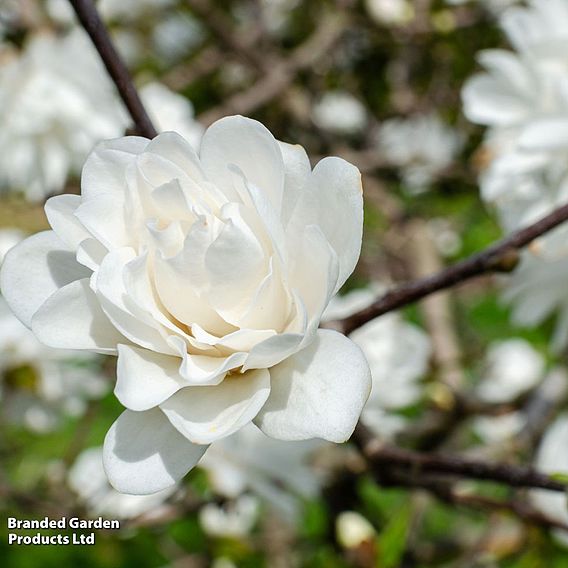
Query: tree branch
point(94, 26)
point(380, 457)
point(502, 256)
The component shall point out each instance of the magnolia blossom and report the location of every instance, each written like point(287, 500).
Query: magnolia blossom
point(277, 471)
point(390, 12)
point(523, 98)
point(340, 112)
point(512, 367)
point(207, 275)
point(398, 354)
point(231, 520)
point(421, 146)
point(498, 429)
point(60, 103)
point(87, 478)
point(352, 529)
point(553, 458)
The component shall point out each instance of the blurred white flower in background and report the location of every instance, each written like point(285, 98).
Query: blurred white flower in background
point(552, 458)
point(175, 35)
point(171, 112)
point(278, 472)
point(57, 103)
point(340, 112)
point(512, 367)
point(87, 478)
point(40, 385)
point(234, 519)
point(352, 529)
point(499, 429)
point(390, 12)
point(422, 146)
point(446, 239)
point(523, 99)
point(398, 353)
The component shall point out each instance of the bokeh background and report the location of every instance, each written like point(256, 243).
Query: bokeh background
point(380, 83)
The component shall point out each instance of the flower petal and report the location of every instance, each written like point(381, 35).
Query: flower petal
point(250, 146)
point(317, 393)
point(143, 454)
point(35, 269)
point(60, 211)
point(341, 211)
point(205, 414)
point(144, 378)
point(72, 318)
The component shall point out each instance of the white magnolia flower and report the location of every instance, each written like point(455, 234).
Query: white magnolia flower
point(398, 354)
point(277, 471)
point(57, 103)
point(340, 112)
point(522, 98)
point(171, 112)
point(536, 290)
point(497, 429)
point(38, 384)
point(207, 275)
point(175, 35)
point(390, 12)
point(421, 146)
point(553, 458)
point(87, 478)
point(353, 530)
point(235, 519)
point(512, 367)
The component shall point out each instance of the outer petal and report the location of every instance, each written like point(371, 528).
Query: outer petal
point(143, 454)
point(204, 414)
point(60, 211)
point(35, 269)
point(250, 146)
point(341, 215)
point(319, 392)
point(144, 378)
point(72, 318)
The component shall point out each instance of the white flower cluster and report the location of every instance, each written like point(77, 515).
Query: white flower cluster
point(523, 99)
point(422, 146)
point(57, 103)
point(61, 103)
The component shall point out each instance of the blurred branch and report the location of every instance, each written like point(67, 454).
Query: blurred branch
point(94, 26)
point(381, 457)
point(502, 256)
point(283, 72)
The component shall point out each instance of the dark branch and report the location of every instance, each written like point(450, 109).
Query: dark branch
point(502, 256)
point(94, 26)
point(380, 456)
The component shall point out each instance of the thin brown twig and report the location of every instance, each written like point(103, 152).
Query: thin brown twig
point(380, 456)
point(91, 21)
point(502, 256)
